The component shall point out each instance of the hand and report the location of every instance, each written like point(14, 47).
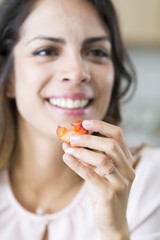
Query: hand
point(108, 174)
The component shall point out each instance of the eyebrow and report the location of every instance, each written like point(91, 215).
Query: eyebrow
point(96, 39)
point(63, 42)
point(52, 39)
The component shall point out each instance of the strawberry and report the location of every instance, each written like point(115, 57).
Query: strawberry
point(64, 134)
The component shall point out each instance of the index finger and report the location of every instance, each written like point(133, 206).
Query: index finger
point(110, 131)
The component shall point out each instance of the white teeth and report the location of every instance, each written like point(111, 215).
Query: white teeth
point(68, 103)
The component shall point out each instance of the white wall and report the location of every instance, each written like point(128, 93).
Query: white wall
point(141, 116)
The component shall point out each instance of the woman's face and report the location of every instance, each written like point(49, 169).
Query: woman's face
point(63, 69)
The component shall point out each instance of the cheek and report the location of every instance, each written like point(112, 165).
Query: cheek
point(26, 86)
point(104, 86)
point(29, 79)
point(110, 74)
point(106, 80)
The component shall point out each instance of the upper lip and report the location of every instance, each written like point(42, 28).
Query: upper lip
point(73, 96)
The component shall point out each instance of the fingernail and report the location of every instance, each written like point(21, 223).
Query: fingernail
point(74, 139)
point(69, 150)
point(67, 158)
point(65, 146)
point(87, 123)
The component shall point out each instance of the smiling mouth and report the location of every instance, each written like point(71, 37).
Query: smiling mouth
point(68, 103)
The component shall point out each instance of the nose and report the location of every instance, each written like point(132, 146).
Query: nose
point(75, 71)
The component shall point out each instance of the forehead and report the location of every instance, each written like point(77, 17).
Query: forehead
point(62, 17)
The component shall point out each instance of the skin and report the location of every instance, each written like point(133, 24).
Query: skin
point(72, 66)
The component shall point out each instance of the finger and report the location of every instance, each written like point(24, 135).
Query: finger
point(110, 147)
point(65, 146)
point(91, 176)
point(110, 131)
point(83, 171)
point(98, 160)
point(118, 182)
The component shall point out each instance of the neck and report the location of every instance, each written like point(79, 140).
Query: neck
point(37, 169)
point(41, 163)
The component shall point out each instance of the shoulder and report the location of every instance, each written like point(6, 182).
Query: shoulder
point(148, 174)
point(149, 164)
point(144, 199)
point(147, 171)
point(150, 152)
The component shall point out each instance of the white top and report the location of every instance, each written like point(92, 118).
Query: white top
point(75, 222)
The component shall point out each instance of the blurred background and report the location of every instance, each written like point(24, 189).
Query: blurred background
point(140, 26)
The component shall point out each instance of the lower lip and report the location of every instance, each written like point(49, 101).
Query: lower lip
point(71, 112)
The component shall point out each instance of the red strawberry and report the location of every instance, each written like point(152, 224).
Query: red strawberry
point(64, 134)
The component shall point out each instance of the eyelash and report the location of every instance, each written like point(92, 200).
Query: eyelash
point(50, 51)
point(99, 53)
point(95, 54)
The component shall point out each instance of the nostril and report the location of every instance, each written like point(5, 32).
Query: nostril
point(75, 76)
point(65, 79)
point(84, 80)
point(86, 77)
point(74, 80)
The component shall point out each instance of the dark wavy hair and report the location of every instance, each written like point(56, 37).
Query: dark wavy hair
point(12, 15)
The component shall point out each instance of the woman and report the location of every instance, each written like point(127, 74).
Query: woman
point(63, 61)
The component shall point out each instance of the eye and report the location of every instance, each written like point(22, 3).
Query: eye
point(50, 51)
point(98, 53)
